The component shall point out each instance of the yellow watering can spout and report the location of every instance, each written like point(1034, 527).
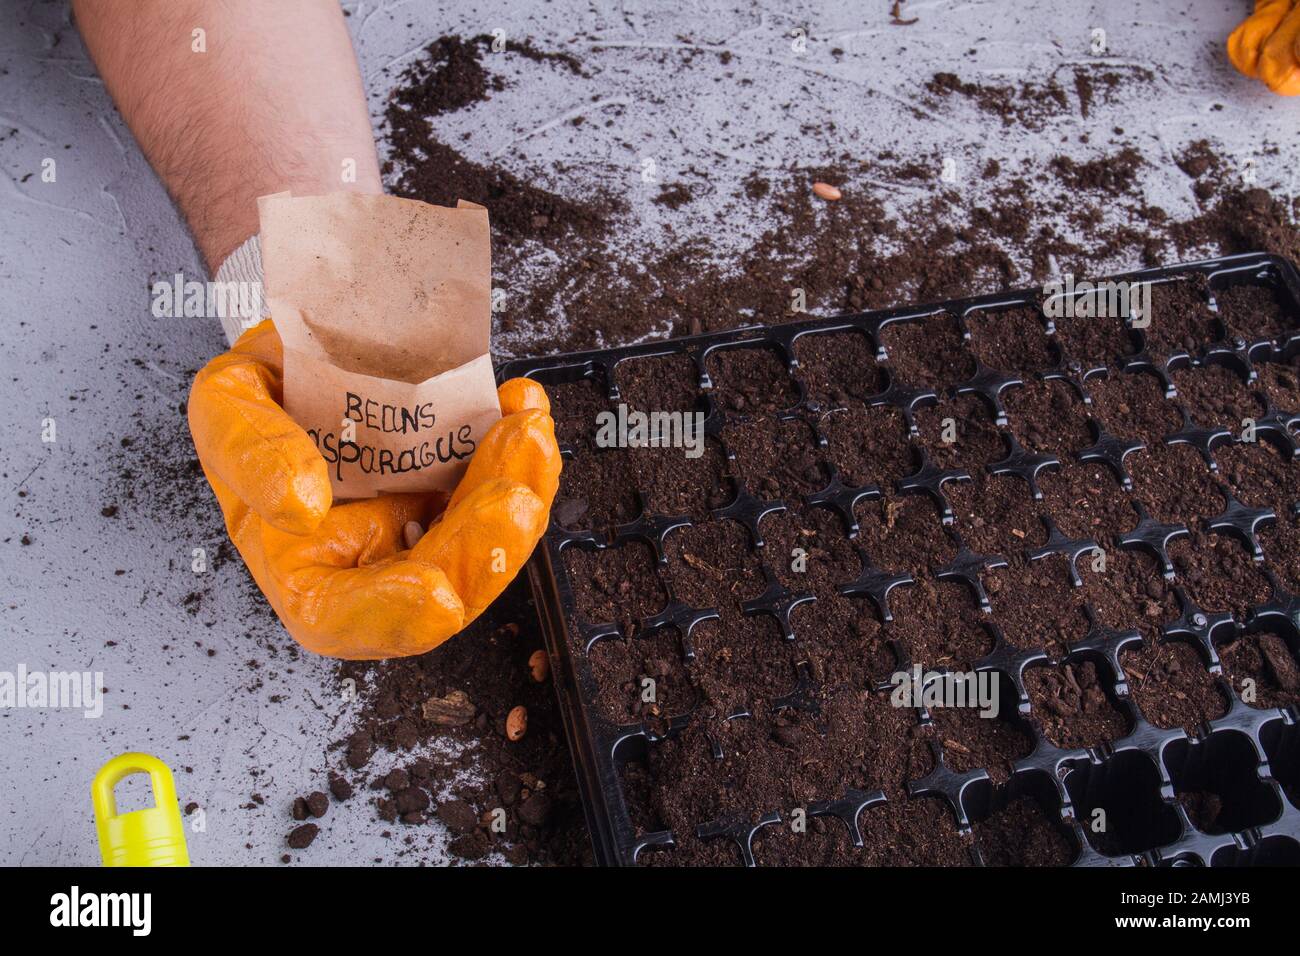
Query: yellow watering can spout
point(154, 836)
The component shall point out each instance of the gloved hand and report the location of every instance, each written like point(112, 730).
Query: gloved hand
point(339, 576)
point(1264, 45)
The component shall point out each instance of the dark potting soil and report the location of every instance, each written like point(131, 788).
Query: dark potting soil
point(1072, 706)
point(838, 367)
point(1049, 417)
point(1022, 834)
point(1087, 342)
point(751, 381)
point(642, 676)
point(1011, 339)
point(1216, 397)
point(1174, 484)
point(929, 352)
point(916, 832)
point(616, 585)
point(1172, 686)
point(1218, 573)
point(776, 460)
point(1278, 384)
point(972, 742)
point(848, 256)
point(868, 445)
point(1263, 669)
point(1254, 313)
point(1133, 406)
point(939, 625)
point(1181, 319)
point(662, 383)
point(1280, 543)
point(1261, 477)
point(959, 431)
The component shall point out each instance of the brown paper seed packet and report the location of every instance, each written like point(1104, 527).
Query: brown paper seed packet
point(384, 308)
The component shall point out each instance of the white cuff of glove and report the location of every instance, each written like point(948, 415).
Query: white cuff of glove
point(243, 265)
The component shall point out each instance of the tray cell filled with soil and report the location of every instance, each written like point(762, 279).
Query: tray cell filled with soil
point(838, 368)
point(576, 406)
point(1127, 591)
point(996, 514)
point(929, 352)
point(1172, 686)
point(751, 381)
point(1175, 485)
point(807, 550)
point(616, 585)
point(1074, 705)
point(821, 842)
point(1278, 383)
point(1011, 339)
point(1260, 476)
point(920, 831)
point(777, 460)
point(1049, 417)
point(1019, 824)
point(972, 741)
point(869, 446)
point(1263, 667)
point(960, 432)
point(643, 676)
point(1035, 605)
point(1093, 342)
point(903, 535)
point(1117, 558)
point(1182, 321)
point(1133, 405)
point(939, 625)
point(659, 383)
point(1219, 574)
point(1256, 311)
point(1086, 502)
point(1280, 543)
point(1216, 397)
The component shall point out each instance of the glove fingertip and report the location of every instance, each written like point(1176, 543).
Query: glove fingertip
point(518, 394)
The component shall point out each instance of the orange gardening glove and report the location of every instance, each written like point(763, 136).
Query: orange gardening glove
point(339, 576)
point(1264, 45)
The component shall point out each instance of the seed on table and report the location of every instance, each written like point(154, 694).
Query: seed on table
point(412, 532)
point(826, 191)
point(517, 723)
point(539, 666)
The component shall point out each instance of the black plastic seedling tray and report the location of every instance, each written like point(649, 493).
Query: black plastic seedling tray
point(1251, 754)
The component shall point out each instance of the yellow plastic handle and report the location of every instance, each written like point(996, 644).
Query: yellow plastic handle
point(154, 836)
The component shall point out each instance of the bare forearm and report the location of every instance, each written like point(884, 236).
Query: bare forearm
point(273, 102)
